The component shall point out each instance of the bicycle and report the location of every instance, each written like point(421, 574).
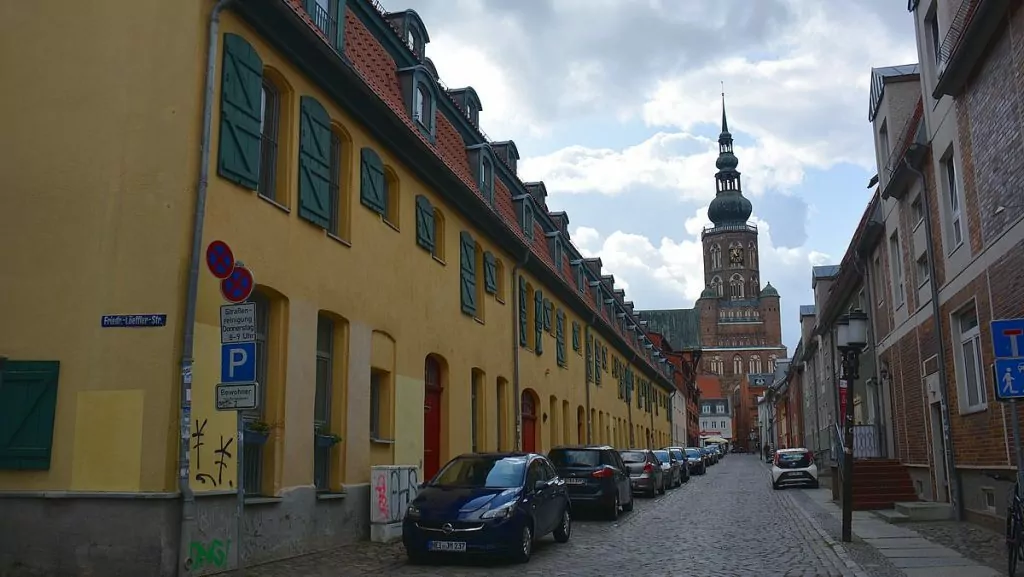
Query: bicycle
point(1014, 526)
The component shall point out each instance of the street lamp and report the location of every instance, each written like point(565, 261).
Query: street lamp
point(851, 338)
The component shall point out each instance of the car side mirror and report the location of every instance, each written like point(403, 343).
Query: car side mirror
point(540, 485)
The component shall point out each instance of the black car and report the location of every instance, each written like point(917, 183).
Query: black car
point(695, 461)
point(492, 503)
point(679, 454)
point(594, 476)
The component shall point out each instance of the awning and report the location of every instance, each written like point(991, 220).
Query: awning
point(715, 439)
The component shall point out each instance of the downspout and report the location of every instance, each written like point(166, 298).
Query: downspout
point(586, 384)
point(515, 348)
point(955, 487)
point(188, 501)
point(883, 438)
point(629, 407)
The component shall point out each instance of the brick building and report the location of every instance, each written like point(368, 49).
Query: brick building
point(949, 258)
point(735, 322)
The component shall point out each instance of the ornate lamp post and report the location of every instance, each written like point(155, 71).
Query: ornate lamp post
point(851, 337)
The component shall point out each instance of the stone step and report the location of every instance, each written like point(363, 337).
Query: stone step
point(925, 510)
point(892, 515)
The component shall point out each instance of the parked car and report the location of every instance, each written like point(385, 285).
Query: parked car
point(794, 467)
point(493, 503)
point(594, 476)
point(670, 467)
point(679, 453)
point(645, 472)
point(719, 453)
point(695, 461)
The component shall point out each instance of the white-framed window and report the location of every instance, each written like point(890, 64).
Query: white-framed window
point(716, 257)
point(952, 190)
point(931, 22)
point(922, 270)
point(969, 371)
point(706, 409)
point(736, 286)
point(771, 363)
point(917, 211)
point(896, 269)
point(755, 363)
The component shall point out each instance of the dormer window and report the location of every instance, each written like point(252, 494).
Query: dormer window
point(581, 277)
point(481, 163)
point(420, 94)
point(556, 251)
point(469, 103)
point(410, 28)
point(487, 178)
point(411, 40)
point(525, 214)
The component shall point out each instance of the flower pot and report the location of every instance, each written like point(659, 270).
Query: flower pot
point(255, 437)
point(323, 441)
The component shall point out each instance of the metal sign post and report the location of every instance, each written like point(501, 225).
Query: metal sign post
point(1009, 376)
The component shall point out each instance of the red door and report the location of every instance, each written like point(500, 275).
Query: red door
point(529, 423)
point(432, 419)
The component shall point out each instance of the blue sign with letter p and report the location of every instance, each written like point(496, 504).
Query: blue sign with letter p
point(238, 363)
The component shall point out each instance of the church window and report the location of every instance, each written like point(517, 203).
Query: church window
point(755, 286)
point(716, 257)
point(737, 365)
point(755, 363)
point(736, 286)
point(716, 283)
point(771, 363)
point(752, 254)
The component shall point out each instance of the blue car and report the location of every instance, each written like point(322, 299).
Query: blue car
point(493, 503)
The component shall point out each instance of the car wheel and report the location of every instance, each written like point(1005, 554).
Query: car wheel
point(661, 490)
point(613, 512)
point(629, 506)
point(525, 545)
point(775, 486)
point(564, 529)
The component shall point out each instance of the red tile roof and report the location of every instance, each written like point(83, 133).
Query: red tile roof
point(378, 70)
point(710, 387)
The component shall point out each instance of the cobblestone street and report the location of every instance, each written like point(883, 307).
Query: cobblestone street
point(728, 523)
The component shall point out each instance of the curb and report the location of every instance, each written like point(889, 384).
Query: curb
point(836, 546)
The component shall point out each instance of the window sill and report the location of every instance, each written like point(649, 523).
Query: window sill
point(275, 204)
point(499, 299)
point(257, 500)
point(918, 225)
point(338, 239)
point(390, 224)
point(379, 441)
point(954, 249)
point(968, 411)
point(439, 260)
point(478, 320)
point(330, 496)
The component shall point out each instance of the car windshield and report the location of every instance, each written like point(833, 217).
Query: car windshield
point(678, 454)
point(479, 471)
point(662, 456)
point(693, 453)
point(564, 458)
point(633, 456)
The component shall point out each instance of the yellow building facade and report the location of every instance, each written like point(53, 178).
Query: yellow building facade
point(415, 299)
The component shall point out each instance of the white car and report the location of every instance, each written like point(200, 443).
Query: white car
point(794, 467)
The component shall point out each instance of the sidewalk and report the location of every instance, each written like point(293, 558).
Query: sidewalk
point(905, 548)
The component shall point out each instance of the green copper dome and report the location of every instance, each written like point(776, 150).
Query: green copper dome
point(769, 291)
point(730, 208)
point(727, 161)
point(709, 293)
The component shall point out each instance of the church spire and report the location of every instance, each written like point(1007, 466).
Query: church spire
point(729, 207)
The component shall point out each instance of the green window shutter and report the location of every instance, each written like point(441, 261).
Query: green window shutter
point(604, 358)
point(241, 89)
point(538, 321)
point(597, 362)
point(548, 307)
point(523, 313)
point(28, 404)
point(490, 273)
point(467, 273)
point(590, 356)
point(560, 338)
point(575, 336)
point(372, 185)
point(314, 162)
point(425, 223)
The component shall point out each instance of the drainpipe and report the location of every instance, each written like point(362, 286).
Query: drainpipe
point(629, 408)
point(515, 348)
point(188, 502)
point(586, 384)
point(883, 438)
point(952, 476)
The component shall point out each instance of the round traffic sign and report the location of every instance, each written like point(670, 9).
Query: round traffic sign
point(219, 259)
point(239, 284)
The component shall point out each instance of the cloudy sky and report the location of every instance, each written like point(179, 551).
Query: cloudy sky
point(615, 105)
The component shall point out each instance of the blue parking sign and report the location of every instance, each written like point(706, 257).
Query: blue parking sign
point(238, 363)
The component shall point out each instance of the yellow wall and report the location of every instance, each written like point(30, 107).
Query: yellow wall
point(99, 172)
point(114, 171)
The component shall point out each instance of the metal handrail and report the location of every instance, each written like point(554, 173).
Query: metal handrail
point(955, 33)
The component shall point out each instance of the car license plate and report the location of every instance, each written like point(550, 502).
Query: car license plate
point(575, 481)
point(448, 546)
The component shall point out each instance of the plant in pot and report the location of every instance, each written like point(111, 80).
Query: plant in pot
point(256, 432)
point(327, 439)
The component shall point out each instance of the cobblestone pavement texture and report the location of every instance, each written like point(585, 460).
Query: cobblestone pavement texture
point(972, 541)
point(728, 523)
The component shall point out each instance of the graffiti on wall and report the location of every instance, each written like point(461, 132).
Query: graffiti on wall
point(218, 460)
point(394, 489)
point(209, 554)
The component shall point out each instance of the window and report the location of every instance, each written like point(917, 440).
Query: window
point(482, 269)
point(475, 402)
point(969, 372)
point(528, 219)
point(28, 405)
point(755, 363)
point(581, 278)
point(771, 363)
point(421, 106)
point(706, 409)
point(499, 279)
point(736, 286)
point(377, 384)
point(335, 199)
point(917, 211)
point(502, 413)
point(896, 269)
point(737, 365)
point(879, 283)
point(487, 179)
point(956, 234)
point(322, 401)
point(716, 284)
point(931, 22)
point(716, 257)
point(883, 142)
point(721, 409)
point(922, 270)
point(325, 16)
point(270, 114)
point(410, 40)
